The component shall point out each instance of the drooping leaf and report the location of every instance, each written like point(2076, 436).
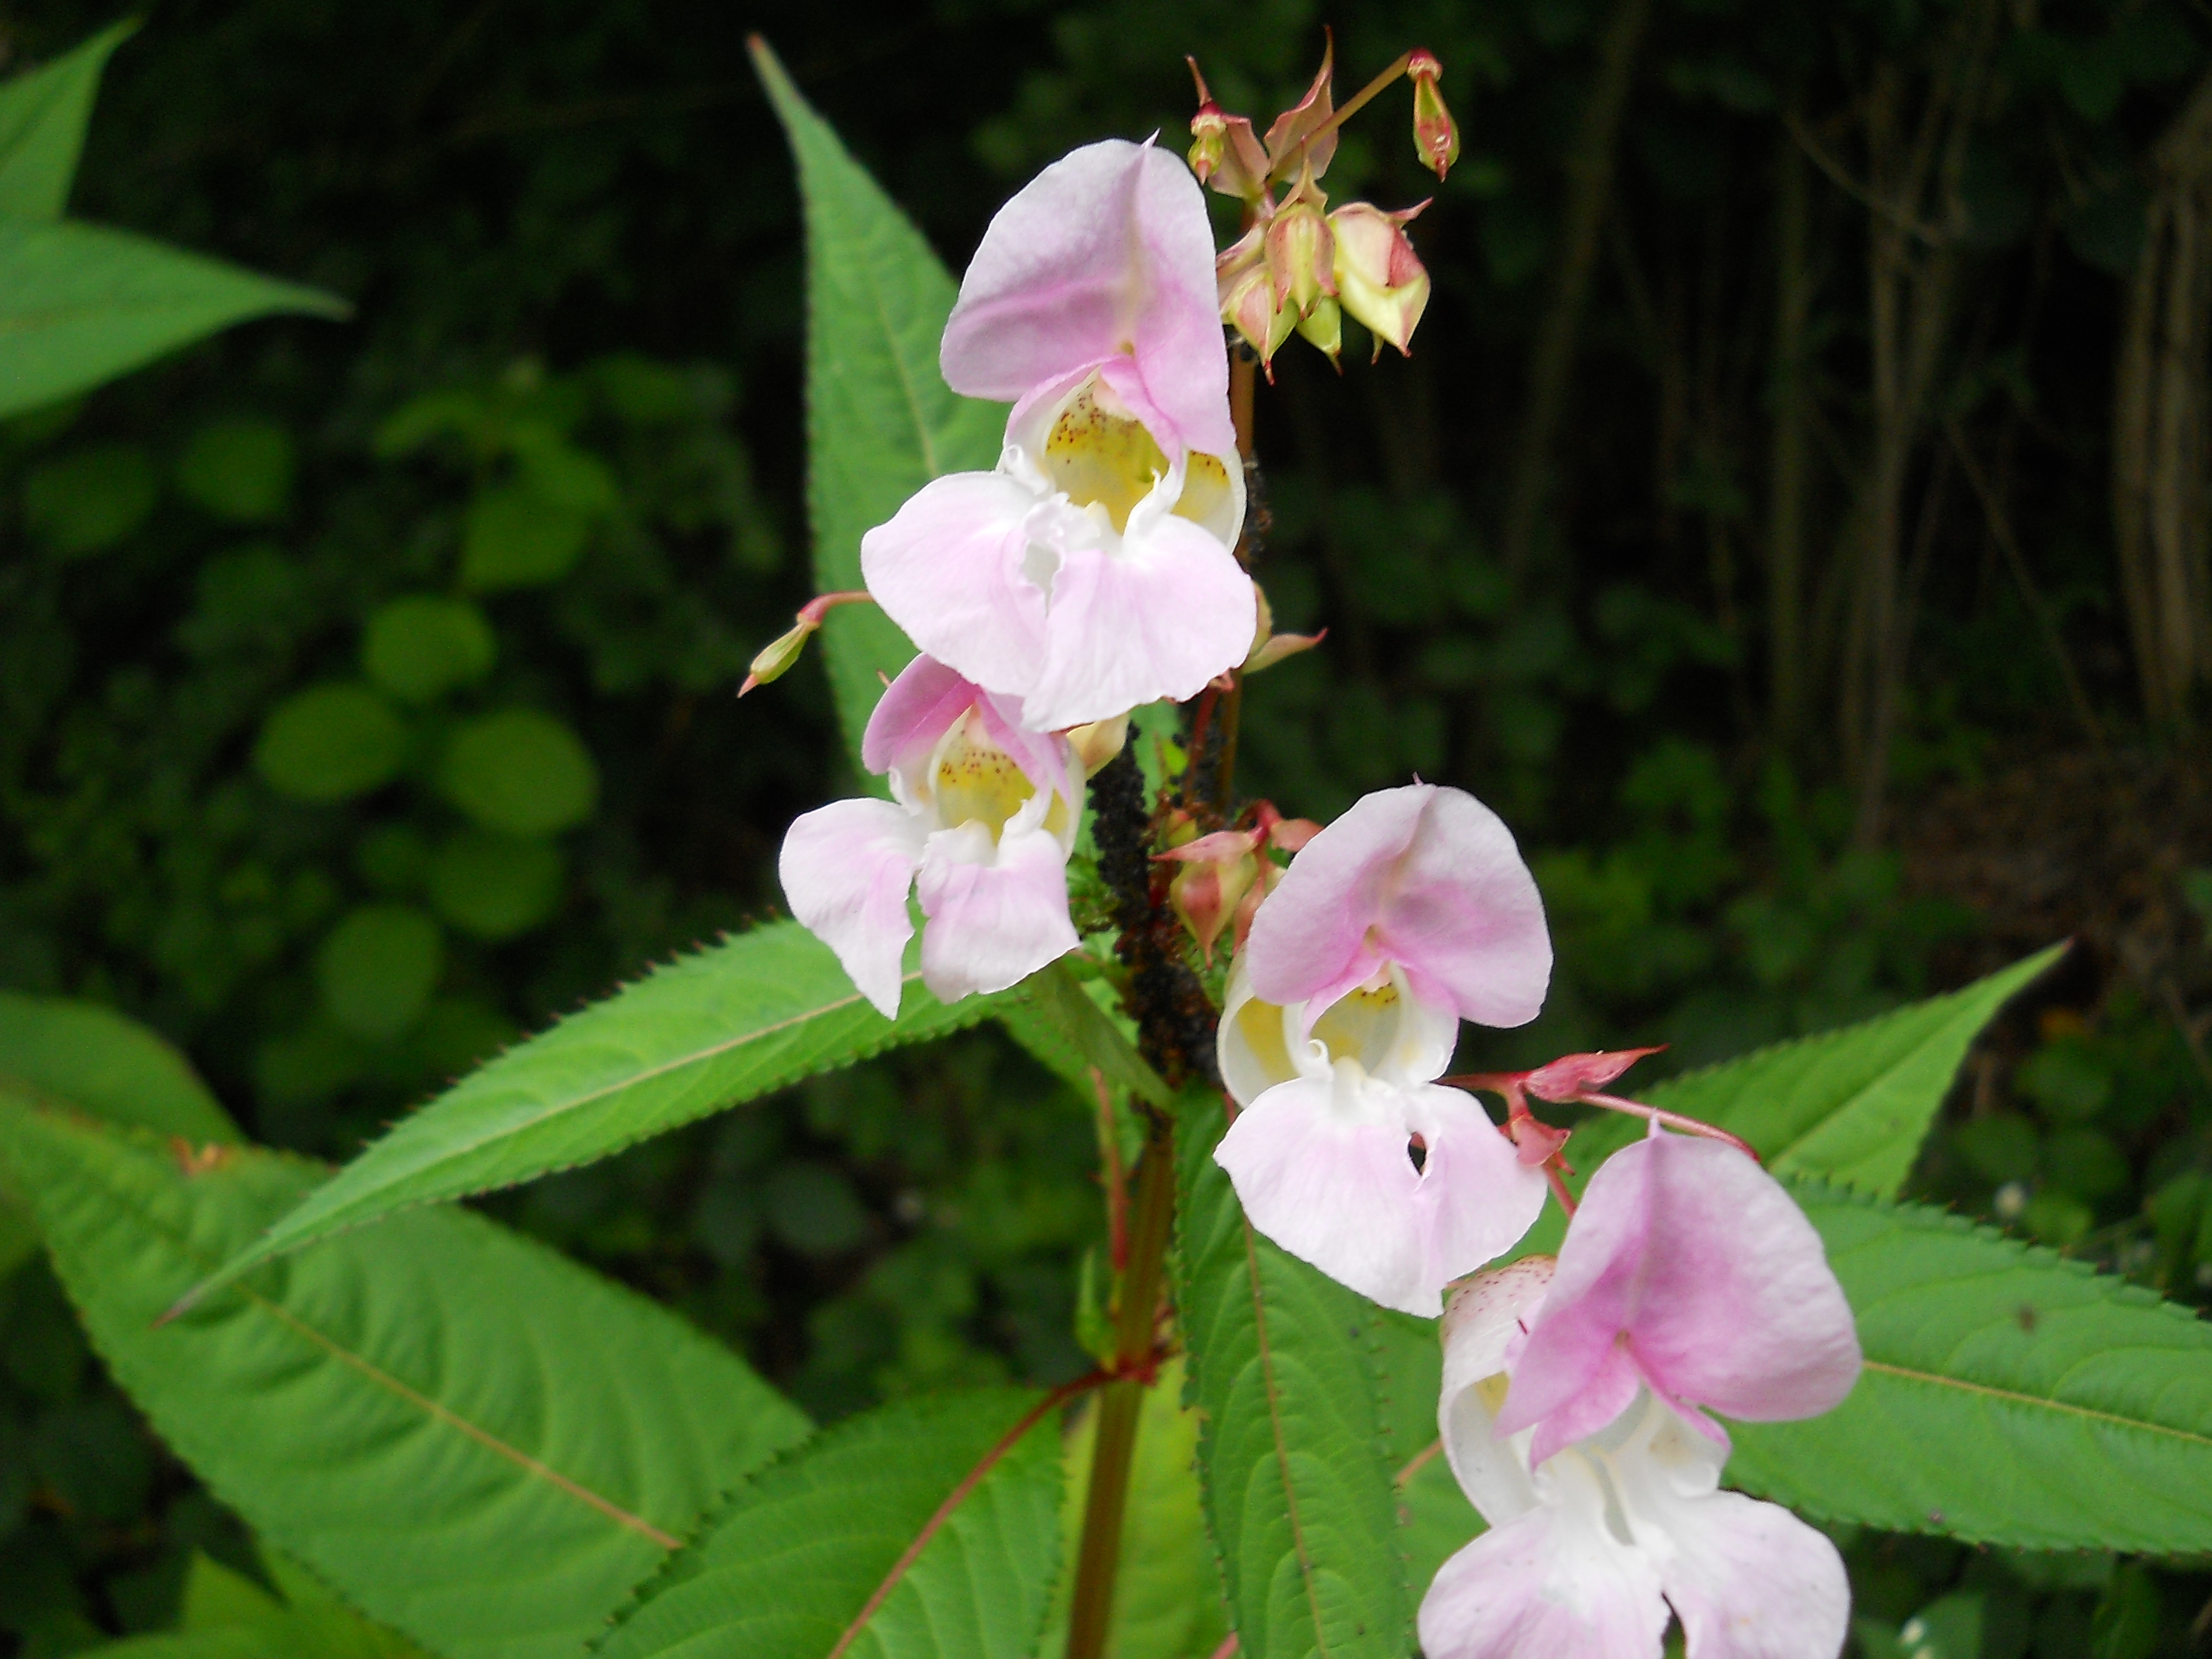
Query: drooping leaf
point(1167, 1594)
point(734, 1022)
point(43, 116)
point(1851, 1106)
point(880, 420)
point(2011, 1396)
point(81, 304)
point(97, 1060)
point(1060, 1022)
point(799, 1555)
point(473, 1440)
point(1294, 1456)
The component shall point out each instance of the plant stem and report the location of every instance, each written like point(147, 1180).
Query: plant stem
point(1357, 101)
point(1099, 1556)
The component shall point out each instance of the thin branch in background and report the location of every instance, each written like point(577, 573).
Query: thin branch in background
point(2047, 624)
point(1841, 179)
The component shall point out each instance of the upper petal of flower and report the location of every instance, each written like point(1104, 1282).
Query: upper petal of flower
point(997, 914)
point(1550, 1583)
point(915, 710)
point(1688, 1262)
point(1321, 1168)
point(1157, 617)
point(949, 569)
point(846, 870)
point(1107, 252)
point(1427, 877)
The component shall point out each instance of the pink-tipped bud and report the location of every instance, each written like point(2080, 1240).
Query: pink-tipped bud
point(1379, 278)
point(1224, 152)
point(1302, 250)
point(1248, 302)
point(1572, 1076)
point(777, 656)
point(1207, 890)
point(1436, 138)
point(1209, 133)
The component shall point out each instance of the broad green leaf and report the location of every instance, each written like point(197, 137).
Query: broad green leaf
point(731, 1023)
point(1295, 1458)
point(471, 1439)
point(880, 420)
point(43, 116)
point(1434, 1517)
point(81, 304)
point(2011, 1396)
point(1851, 1106)
point(800, 1553)
point(86, 1055)
point(90, 1058)
point(304, 1621)
point(1061, 1022)
point(1167, 1594)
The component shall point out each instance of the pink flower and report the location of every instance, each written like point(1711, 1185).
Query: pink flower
point(1689, 1271)
point(1423, 877)
point(1093, 570)
point(1588, 1546)
point(1410, 912)
point(981, 820)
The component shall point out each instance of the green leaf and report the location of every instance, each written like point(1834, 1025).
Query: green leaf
point(1167, 1594)
point(90, 1058)
point(880, 420)
point(471, 1439)
point(521, 772)
point(2011, 1396)
point(80, 305)
point(496, 886)
point(43, 116)
point(422, 646)
point(1850, 1106)
point(1295, 1461)
point(794, 1560)
point(750, 1015)
point(1060, 1022)
point(330, 742)
point(90, 500)
point(517, 536)
point(239, 470)
point(378, 967)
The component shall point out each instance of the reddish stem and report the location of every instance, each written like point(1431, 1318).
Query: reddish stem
point(1672, 1120)
point(1351, 107)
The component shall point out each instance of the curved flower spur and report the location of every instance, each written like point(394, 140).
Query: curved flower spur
point(1094, 570)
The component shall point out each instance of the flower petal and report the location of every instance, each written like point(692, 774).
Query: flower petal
point(1106, 253)
point(1482, 1199)
point(1158, 618)
point(947, 568)
point(915, 710)
point(1750, 1580)
point(846, 870)
point(1424, 876)
point(1690, 1262)
point(996, 916)
point(1486, 1325)
point(1327, 1175)
point(1552, 1583)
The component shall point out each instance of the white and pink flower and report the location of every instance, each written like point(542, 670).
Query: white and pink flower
point(1093, 571)
point(982, 816)
point(1572, 1416)
point(1410, 913)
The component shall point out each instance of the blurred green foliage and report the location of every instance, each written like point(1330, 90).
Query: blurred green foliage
point(367, 691)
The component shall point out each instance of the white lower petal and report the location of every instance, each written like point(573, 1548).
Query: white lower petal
point(947, 568)
point(1482, 1198)
point(996, 913)
point(846, 869)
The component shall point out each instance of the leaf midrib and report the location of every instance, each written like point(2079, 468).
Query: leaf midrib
point(1936, 1379)
point(1275, 1432)
point(432, 1408)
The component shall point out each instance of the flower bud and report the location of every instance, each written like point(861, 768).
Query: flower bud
point(1098, 743)
point(1207, 894)
point(1379, 278)
point(1436, 139)
point(1301, 249)
point(776, 657)
point(1322, 327)
point(1224, 152)
point(1209, 134)
point(1248, 302)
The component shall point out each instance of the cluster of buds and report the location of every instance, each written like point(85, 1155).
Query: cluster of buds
point(1225, 875)
point(1300, 265)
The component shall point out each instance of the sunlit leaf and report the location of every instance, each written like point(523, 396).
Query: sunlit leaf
point(43, 116)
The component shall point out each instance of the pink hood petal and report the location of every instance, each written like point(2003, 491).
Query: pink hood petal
point(996, 916)
point(1425, 876)
point(915, 710)
point(947, 568)
point(1549, 1584)
point(1107, 252)
point(846, 869)
point(1690, 1264)
point(1157, 620)
point(1481, 1198)
point(1334, 1188)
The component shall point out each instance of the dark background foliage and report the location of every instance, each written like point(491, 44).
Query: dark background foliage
point(1751, 526)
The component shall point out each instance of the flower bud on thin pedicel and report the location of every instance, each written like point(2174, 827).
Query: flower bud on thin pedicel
point(1292, 133)
point(1378, 278)
point(1249, 303)
point(1301, 248)
point(1436, 138)
point(1224, 152)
